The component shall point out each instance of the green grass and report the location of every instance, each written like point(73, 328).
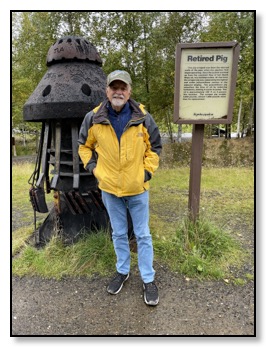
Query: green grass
point(21, 173)
point(29, 148)
point(208, 248)
point(199, 249)
point(92, 254)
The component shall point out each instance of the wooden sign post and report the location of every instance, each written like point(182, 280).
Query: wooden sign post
point(205, 80)
point(195, 171)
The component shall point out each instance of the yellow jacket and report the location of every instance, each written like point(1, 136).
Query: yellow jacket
point(124, 168)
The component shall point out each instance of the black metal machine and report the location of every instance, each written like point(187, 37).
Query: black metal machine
point(73, 85)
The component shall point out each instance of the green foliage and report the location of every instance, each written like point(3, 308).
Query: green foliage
point(206, 249)
point(92, 254)
point(216, 153)
point(143, 43)
point(199, 249)
point(21, 173)
point(240, 27)
point(33, 35)
point(211, 246)
point(25, 145)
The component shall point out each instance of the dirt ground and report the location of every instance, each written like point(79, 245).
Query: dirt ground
point(82, 306)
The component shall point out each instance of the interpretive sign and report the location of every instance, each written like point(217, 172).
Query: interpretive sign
point(205, 79)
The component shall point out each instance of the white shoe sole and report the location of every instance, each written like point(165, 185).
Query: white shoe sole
point(150, 303)
point(110, 292)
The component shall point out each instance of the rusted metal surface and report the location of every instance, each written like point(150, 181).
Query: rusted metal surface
point(72, 86)
point(73, 48)
point(67, 90)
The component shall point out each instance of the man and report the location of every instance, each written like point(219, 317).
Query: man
point(120, 144)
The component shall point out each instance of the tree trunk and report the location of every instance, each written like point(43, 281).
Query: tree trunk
point(250, 122)
point(238, 120)
point(179, 133)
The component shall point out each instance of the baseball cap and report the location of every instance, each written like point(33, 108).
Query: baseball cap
point(119, 75)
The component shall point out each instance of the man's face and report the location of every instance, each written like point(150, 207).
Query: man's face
point(118, 94)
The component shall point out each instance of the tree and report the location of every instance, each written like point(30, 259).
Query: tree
point(173, 28)
point(237, 26)
point(143, 43)
point(32, 37)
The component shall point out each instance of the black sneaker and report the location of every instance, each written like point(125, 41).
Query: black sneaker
point(117, 283)
point(151, 296)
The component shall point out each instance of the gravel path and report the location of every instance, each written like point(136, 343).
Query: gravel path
point(82, 307)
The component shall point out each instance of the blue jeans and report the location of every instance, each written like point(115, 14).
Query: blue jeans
point(138, 206)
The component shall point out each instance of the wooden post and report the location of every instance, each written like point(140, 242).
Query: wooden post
point(195, 171)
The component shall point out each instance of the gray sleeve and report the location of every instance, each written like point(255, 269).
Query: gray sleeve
point(85, 126)
point(155, 137)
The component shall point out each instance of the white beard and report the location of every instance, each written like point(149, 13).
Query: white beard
point(117, 102)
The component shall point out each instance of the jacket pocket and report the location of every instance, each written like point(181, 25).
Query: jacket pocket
point(147, 176)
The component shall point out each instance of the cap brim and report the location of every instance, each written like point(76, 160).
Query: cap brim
point(118, 79)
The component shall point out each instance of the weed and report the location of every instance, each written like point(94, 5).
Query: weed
point(205, 249)
point(199, 249)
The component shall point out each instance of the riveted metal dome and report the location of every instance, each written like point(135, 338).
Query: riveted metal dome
point(73, 48)
point(73, 84)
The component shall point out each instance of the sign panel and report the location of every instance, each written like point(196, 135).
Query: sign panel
point(205, 82)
